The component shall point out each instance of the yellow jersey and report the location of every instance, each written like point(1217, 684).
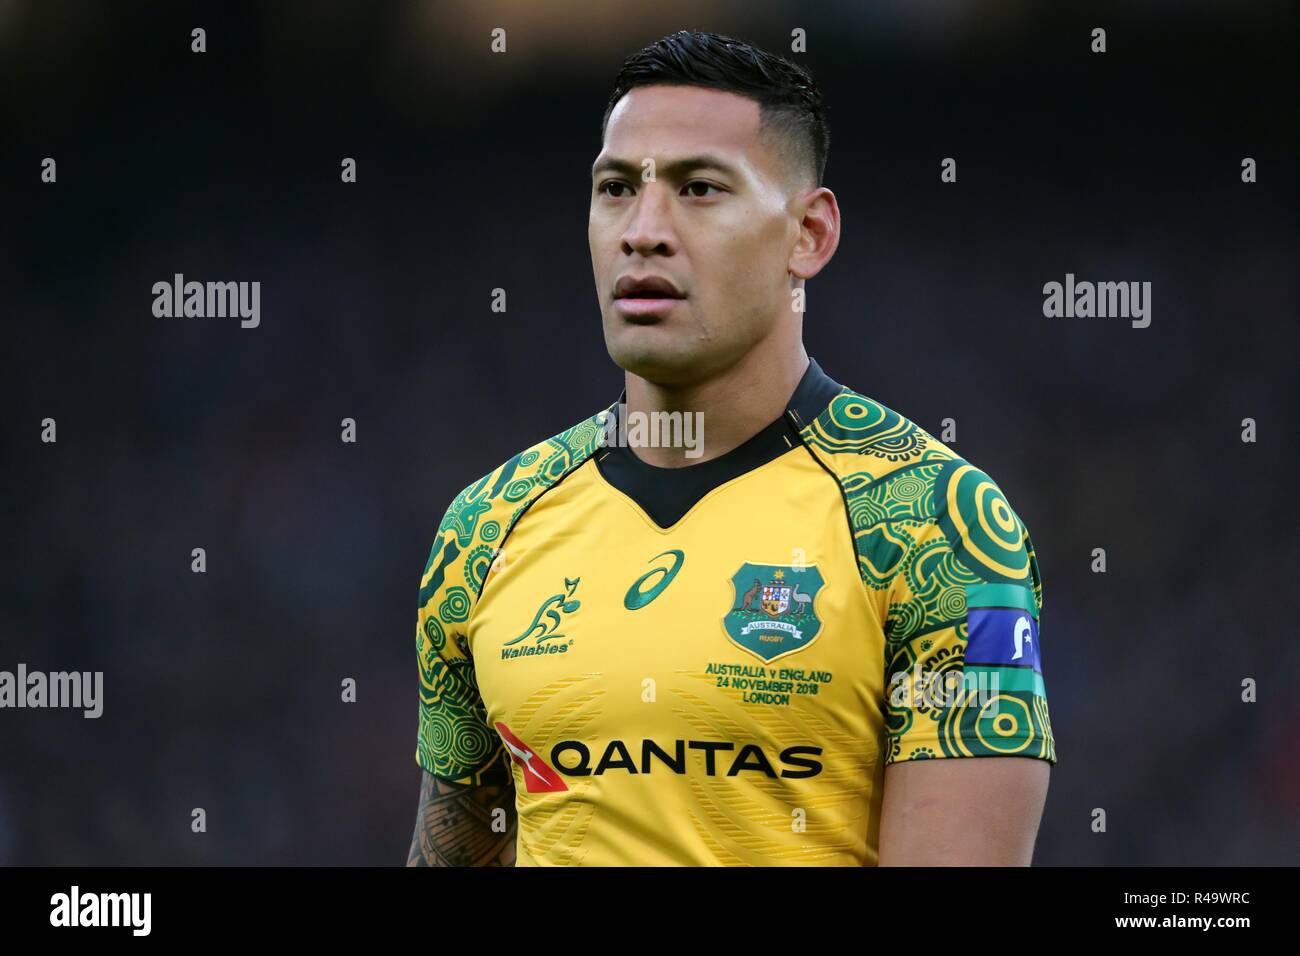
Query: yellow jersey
point(714, 664)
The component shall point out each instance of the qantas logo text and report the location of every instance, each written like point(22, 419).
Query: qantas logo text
point(713, 758)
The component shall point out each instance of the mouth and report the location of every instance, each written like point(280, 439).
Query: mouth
point(639, 299)
point(645, 307)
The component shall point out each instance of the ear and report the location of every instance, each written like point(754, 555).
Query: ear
point(819, 233)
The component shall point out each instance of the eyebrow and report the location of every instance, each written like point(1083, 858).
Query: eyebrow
point(673, 169)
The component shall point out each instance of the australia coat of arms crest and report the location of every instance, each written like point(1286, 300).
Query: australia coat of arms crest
point(773, 613)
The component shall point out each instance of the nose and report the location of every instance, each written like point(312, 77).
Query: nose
point(650, 228)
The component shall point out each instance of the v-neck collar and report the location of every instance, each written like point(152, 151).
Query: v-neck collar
point(666, 494)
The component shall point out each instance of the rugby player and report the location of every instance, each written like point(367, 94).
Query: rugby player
point(781, 636)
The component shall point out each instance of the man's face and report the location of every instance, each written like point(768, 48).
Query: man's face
point(714, 222)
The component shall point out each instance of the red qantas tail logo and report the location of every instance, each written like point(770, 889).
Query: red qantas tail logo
point(538, 777)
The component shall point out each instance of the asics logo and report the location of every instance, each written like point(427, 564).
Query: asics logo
point(638, 598)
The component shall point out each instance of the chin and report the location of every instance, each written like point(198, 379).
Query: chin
point(669, 353)
point(651, 352)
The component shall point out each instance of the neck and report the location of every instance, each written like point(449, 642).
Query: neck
point(734, 405)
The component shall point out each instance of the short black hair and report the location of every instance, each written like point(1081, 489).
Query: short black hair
point(790, 102)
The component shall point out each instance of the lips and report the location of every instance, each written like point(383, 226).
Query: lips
point(646, 287)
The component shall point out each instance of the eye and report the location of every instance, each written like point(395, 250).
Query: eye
point(604, 187)
point(695, 183)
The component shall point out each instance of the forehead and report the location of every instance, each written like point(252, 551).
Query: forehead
point(661, 120)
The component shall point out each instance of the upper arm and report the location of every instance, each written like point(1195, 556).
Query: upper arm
point(465, 825)
point(466, 814)
point(454, 741)
point(965, 672)
point(965, 682)
point(962, 812)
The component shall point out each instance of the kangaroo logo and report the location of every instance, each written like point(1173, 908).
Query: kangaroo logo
point(773, 613)
point(546, 621)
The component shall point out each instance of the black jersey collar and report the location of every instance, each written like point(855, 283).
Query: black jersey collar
point(666, 494)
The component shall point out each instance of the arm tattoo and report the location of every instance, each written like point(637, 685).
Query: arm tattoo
point(453, 826)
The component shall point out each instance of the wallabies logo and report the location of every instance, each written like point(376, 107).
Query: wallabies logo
point(545, 626)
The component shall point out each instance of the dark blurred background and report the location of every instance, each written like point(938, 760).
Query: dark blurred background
point(222, 690)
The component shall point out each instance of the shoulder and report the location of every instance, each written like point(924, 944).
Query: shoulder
point(909, 495)
point(483, 513)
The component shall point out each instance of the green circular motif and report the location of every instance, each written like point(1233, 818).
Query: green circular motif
point(981, 525)
point(455, 607)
